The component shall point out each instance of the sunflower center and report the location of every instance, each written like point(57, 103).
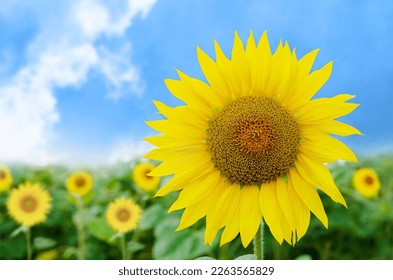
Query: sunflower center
point(253, 140)
point(80, 182)
point(147, 171)
point(2, 175)
point(369, 180)
point(28, 204)
point(123, 215)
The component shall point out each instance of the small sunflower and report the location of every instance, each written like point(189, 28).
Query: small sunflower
point(5, 178)
point(144, 181)
point(79, 182)
point(29, 204)
point(52, 254)
point(251, 144)
point(123, 215)
point(366, 182)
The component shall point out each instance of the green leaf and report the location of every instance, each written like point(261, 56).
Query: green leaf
point(42, 243)
point(176, 245)
point(205, 259)
point(18, 230)
point(13, 248)
point(133, 246)
point(304, 257)
point(100, 229)
point(151, 217)
point(247, 257)
point(70, 252)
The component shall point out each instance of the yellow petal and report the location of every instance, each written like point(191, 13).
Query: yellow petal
point(198, 161)
point(221, 59)
point(261, 64)
point(301, 212)
point(309, 196)
point(191, 215)
point(182, 114)
point(313, 82)
point(184, 177)
point(212, 73)
point(251, 47)
point(199, 88)
point(331, 126)
point(306, 62)
point(241, 67)
point(278, 75)
point(326, 148)
point(196, 211)
point(285, 203)
point(172, 153)
point(318, 175)
point(197, 191)
point(271, 210)
point(286, 230)
point(325, 108)
point(250, 214)
point(176, 130)
point(215, 219)
point(232, 226)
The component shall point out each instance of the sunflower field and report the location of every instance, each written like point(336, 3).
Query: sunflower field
point(88, 224)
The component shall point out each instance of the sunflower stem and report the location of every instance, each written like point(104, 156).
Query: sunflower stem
point(80, 228)
point(28, 243)
point(123, 246)
point(258, 243)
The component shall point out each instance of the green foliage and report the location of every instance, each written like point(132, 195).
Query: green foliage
point(363, 231)
point(247, 257)
point(177, 245)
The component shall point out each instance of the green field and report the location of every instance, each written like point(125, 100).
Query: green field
point(363, 231)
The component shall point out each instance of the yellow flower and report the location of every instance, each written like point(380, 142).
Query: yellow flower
point(29, 204)
point(366, 182)
point(48, 255)
point(79, 182)
point(250, 143)
point(142, 180)
point(123, 215)
point(5, 178)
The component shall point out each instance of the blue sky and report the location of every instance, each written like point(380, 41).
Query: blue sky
point(77, 77)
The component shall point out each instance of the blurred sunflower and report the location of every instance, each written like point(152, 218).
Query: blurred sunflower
point(251, 144)
point(5, 178)
point(366, 182)
point(79, 182)
point(123, 215)
point(52, 254)
point(144, 181)
point(29, 204)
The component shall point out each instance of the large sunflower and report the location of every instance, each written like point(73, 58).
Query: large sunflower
point(79, 182)
point(123, 215)
point(29, 204)
point(250, 143)
point(5, 178)
point(142, 180)
point(366, 182)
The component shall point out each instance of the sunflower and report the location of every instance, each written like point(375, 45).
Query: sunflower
point(142, 180)
point(29, 204)
point(5, 178)
point(123, 215)
point(52, 254)
point(251, 144)
point(366, 182)
point(79, 182)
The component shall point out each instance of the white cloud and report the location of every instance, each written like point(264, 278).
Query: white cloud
point(92, 17)
point(126, 150)
point(121, 74)
point(62, 53)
